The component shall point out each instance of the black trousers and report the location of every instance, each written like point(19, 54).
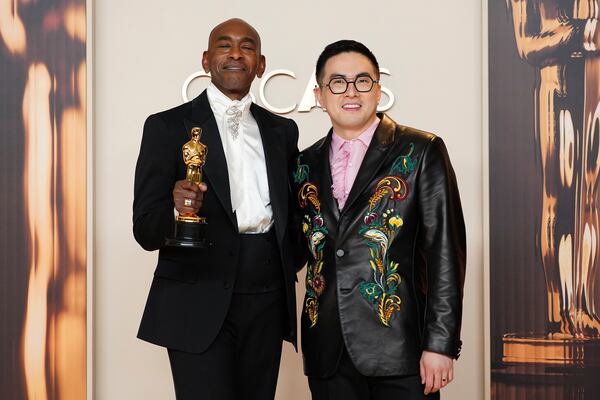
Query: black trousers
point(349, 384)
point(243, 362)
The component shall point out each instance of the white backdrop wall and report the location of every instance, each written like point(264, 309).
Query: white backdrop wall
point(144, 51)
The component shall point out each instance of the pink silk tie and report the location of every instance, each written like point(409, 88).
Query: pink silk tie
point(339, 169)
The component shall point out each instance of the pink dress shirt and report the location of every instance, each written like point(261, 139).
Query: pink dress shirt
point(345, 158)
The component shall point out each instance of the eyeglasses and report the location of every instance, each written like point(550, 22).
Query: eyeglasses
point(362, 84)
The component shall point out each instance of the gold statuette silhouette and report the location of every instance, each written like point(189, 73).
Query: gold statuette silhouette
point(559, 39)
point(189, 227)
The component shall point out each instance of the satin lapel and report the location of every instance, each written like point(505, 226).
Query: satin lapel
point(273, 142)
point(375, 157)
point(215, 167)
point(324, 181)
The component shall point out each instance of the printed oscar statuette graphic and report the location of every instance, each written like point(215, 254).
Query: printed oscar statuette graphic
point(189, 227)
point(567, 91)
point(545, 91)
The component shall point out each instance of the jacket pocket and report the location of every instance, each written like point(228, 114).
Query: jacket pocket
point(176, 270)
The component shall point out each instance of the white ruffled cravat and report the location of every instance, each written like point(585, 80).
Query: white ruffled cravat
point(233, 116)
point(234, 148)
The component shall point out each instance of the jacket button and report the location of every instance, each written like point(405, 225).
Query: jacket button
point(340, 253)
point(226, 285)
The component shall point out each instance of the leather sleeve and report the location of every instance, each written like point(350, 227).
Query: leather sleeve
point(443, 247)
point(155, 176)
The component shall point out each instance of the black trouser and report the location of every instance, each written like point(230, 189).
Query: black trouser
point(349, 384)
point(243, 361)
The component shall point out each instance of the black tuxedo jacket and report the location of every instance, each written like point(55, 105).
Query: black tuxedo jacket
point(191, 289)
point(385, 275)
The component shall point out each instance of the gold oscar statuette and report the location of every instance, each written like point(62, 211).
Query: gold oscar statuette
point(189, 227)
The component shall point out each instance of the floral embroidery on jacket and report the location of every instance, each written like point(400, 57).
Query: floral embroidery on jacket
point(404, 164)
point(380, 227)
point(301, 173)
point(315, 231)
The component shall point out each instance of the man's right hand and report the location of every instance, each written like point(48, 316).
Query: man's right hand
point(188, 196)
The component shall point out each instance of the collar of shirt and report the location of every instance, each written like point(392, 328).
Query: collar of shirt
point(365, 137)
point(219, 102)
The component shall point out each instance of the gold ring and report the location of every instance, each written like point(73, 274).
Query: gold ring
point(187, 202)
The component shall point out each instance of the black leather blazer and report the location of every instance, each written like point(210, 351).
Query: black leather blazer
point(191, 289)
point(385, 275)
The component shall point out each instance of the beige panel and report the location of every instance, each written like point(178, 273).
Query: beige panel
point(143, 54)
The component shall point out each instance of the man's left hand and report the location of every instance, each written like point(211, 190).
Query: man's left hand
point(437, 370)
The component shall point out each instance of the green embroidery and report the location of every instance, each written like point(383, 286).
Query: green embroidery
point(315, 231)
point(379, 229)
point(404, 164)
point(302, 170)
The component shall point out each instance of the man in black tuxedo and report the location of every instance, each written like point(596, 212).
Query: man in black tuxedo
point(385, 242)
point(222, 312)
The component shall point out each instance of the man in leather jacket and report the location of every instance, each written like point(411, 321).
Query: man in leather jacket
point(383, 231)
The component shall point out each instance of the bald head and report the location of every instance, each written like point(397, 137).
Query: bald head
point(233, 57)
point(235, 24)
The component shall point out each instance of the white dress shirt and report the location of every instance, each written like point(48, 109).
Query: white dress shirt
point(246, 165)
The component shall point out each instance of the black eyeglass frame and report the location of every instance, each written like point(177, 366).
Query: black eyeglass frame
point(373, 82)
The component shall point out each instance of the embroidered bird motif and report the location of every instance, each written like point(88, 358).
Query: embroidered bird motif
point(315, 240)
